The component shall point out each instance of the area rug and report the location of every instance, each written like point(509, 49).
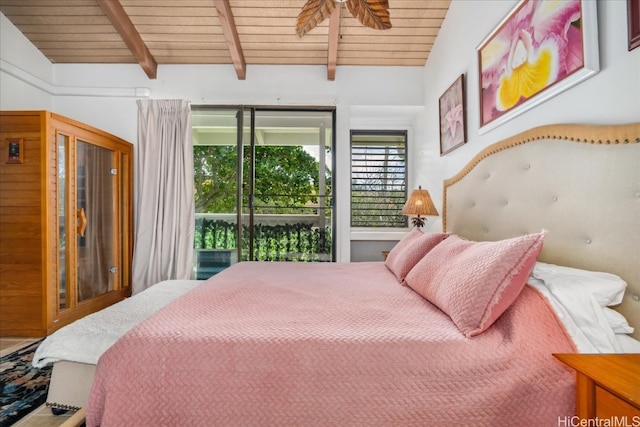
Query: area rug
point(23, 387)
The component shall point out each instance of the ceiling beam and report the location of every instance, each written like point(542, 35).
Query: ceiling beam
point(231, 36)
point(334, 35)
point(122, 23)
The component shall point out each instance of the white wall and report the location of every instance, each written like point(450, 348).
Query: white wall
point(218, 85)
point(15, 93)
point(611, 96)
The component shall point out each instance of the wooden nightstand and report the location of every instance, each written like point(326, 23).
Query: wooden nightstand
point(607, 385)
point(385, 254)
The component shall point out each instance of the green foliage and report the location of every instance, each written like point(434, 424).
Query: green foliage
point(285, 242)
point(286, 178)
point(214, 177)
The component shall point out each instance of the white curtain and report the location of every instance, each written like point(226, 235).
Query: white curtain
point(165, 213)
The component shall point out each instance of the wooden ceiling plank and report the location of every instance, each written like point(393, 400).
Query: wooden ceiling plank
point(411, 4)
point(231, 35)
point(82, 37)
point(166, 3)
point(270, 39)
point(93, 60)
point(377, 62)
point(418, 14)
point(192, 29)
point(345, 39)
point(67, 29)
point(200, 60)
point(382, 55)
point(334, 35)
point(397, 23)
point(122, 23)
point(399, 47)
point(286, 54)
point(285, 46)
point(183, 38)
point(289, 61)
point(29, 10)
point(241, 11)
point(82, 52)
point(81, 44)
point(192, 52)
point(320, 29)
point(56, 21)
point(157, 47)
point(179, 11)
point(181, 21)
point(271, 4)
point(47, 3)
point(380, 35)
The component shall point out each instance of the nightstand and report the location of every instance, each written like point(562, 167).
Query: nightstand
point(385, 254)
point(607, 385)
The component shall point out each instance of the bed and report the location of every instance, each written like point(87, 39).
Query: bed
point(325, 344)
point(74, 350)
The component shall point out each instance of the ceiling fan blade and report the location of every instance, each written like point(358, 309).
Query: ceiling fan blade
point(371, 13)
point(313, 13)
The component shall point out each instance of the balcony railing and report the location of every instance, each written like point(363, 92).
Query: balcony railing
point(276, 237)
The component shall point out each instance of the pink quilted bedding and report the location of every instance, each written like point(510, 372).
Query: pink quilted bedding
point(304, 344)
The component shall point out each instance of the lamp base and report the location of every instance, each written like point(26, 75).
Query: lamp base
point(417, 221)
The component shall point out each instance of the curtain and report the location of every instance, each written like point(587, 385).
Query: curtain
point(165, 213)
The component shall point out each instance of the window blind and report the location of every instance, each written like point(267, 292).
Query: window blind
point(378, 179)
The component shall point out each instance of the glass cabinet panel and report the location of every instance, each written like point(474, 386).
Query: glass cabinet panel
point(96, 219)
point(124, 219)
point(63, 145)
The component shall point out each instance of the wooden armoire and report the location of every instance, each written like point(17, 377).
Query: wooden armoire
point(65, 221)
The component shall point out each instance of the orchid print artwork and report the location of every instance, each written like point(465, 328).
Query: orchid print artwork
point(452, 121)
point(540, 44)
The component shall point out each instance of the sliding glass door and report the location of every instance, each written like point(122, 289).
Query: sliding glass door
point(262, 181)
point(217, 175)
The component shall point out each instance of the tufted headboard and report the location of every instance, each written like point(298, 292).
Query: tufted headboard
point(579, 182)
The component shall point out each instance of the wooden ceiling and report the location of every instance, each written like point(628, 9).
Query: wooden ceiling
point(238, 32)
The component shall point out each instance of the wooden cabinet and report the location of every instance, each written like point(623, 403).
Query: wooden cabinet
point(607, 385)
point(65, 221)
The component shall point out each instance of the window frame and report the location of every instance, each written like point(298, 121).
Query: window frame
point(401, 221)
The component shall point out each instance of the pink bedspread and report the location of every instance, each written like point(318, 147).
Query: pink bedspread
point(295, 344)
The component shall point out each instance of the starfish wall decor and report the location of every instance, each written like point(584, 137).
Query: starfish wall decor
point(371, 13)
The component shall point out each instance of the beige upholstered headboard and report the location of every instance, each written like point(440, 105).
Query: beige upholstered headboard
point(579, 182)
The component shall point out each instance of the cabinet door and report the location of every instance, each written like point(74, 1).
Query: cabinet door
point(96, 190)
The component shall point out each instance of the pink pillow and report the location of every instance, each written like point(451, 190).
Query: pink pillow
point(410, 250)
point(475, 282)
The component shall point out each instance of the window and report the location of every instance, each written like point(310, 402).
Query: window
point(378, 178)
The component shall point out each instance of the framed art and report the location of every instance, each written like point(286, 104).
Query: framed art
point(633, 15)
point(453, 128)
point(542, 48)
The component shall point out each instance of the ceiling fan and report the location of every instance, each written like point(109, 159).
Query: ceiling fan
point(371, 13)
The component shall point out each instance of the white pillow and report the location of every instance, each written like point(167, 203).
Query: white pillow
point(617, 321)
point(608, 289)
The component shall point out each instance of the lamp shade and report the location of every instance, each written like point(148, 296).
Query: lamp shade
point(419, 203)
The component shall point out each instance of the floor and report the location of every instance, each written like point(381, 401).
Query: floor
point(42, 416)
